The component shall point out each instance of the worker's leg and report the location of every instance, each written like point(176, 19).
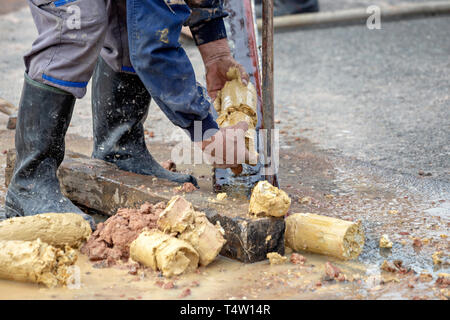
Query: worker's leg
point(115, 47)
point(71, 34)
point(57, 69)
point(120, 104)
point(163, 65)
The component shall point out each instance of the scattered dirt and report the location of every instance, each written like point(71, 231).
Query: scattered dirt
point(333, 272)
point(186, 187)
point(168, 285)
point(425, 277)
point(396, 266)
point(425, 174)
point(388, 266)
point(276, 258)
point(111, 241)
point(417, 243)
point(298, 259)
point(186, 292)
point(385, 242)
point(443, 281)
point(169, 165)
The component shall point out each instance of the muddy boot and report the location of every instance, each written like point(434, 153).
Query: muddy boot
point(120, 104)
point(43, 119)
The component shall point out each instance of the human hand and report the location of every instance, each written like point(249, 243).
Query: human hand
point(217, 58)
point(227, 149)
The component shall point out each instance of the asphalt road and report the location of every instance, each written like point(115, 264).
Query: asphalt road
point(378, 95)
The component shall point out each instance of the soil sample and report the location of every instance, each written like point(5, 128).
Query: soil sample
point(181, 220)
point(56, 229)
point(324, 235)
point(35, 261)
point(177, 216)
point(165, 253)
point(111, 241)
point(267, 200)
point(206, 238)
point(276, 258)
point(237, 102)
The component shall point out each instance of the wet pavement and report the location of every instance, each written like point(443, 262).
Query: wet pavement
point(363, 118)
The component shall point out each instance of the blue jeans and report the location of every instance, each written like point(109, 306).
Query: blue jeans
point(154, 28)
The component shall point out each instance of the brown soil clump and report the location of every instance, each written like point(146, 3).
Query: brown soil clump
point(331, 270)
point(443, 280)
point(187, 187)
point(169, 165)
point(298, 259)
point(111, 241)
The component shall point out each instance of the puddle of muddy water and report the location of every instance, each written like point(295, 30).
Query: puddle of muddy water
point(218, 281)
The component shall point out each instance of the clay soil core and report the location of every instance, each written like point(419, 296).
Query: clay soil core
point(111, 241)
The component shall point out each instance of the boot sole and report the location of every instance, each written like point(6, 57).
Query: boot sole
point(11, 212)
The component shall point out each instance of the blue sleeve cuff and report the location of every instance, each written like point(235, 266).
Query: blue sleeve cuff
point(202, 130)
point(208, 31)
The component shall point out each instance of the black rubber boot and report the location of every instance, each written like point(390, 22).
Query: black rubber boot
point(120, 104)
point(43, 119)
point(287, 7)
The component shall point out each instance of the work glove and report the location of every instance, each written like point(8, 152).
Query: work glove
point(218, 60)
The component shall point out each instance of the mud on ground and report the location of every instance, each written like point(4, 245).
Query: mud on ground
point(319, 182)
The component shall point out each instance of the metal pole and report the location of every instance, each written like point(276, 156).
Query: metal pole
point(268, 90)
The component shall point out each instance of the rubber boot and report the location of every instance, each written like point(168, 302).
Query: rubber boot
point(43, 118)
point(120, 104)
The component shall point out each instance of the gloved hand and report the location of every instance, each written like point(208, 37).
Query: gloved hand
point(226, 149)
point(217, 58)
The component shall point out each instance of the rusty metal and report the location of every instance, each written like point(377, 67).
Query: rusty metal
point(268, 88)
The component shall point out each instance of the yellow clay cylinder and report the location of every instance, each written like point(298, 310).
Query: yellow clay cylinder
point(207, 239)
point(56, 229)
point(237, 102)
point(162, 252)
point(181, 220)
point(324, 235)
point(236, 96)
point(35, 261)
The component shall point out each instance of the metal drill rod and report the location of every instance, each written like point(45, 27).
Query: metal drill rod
point(268, 89)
